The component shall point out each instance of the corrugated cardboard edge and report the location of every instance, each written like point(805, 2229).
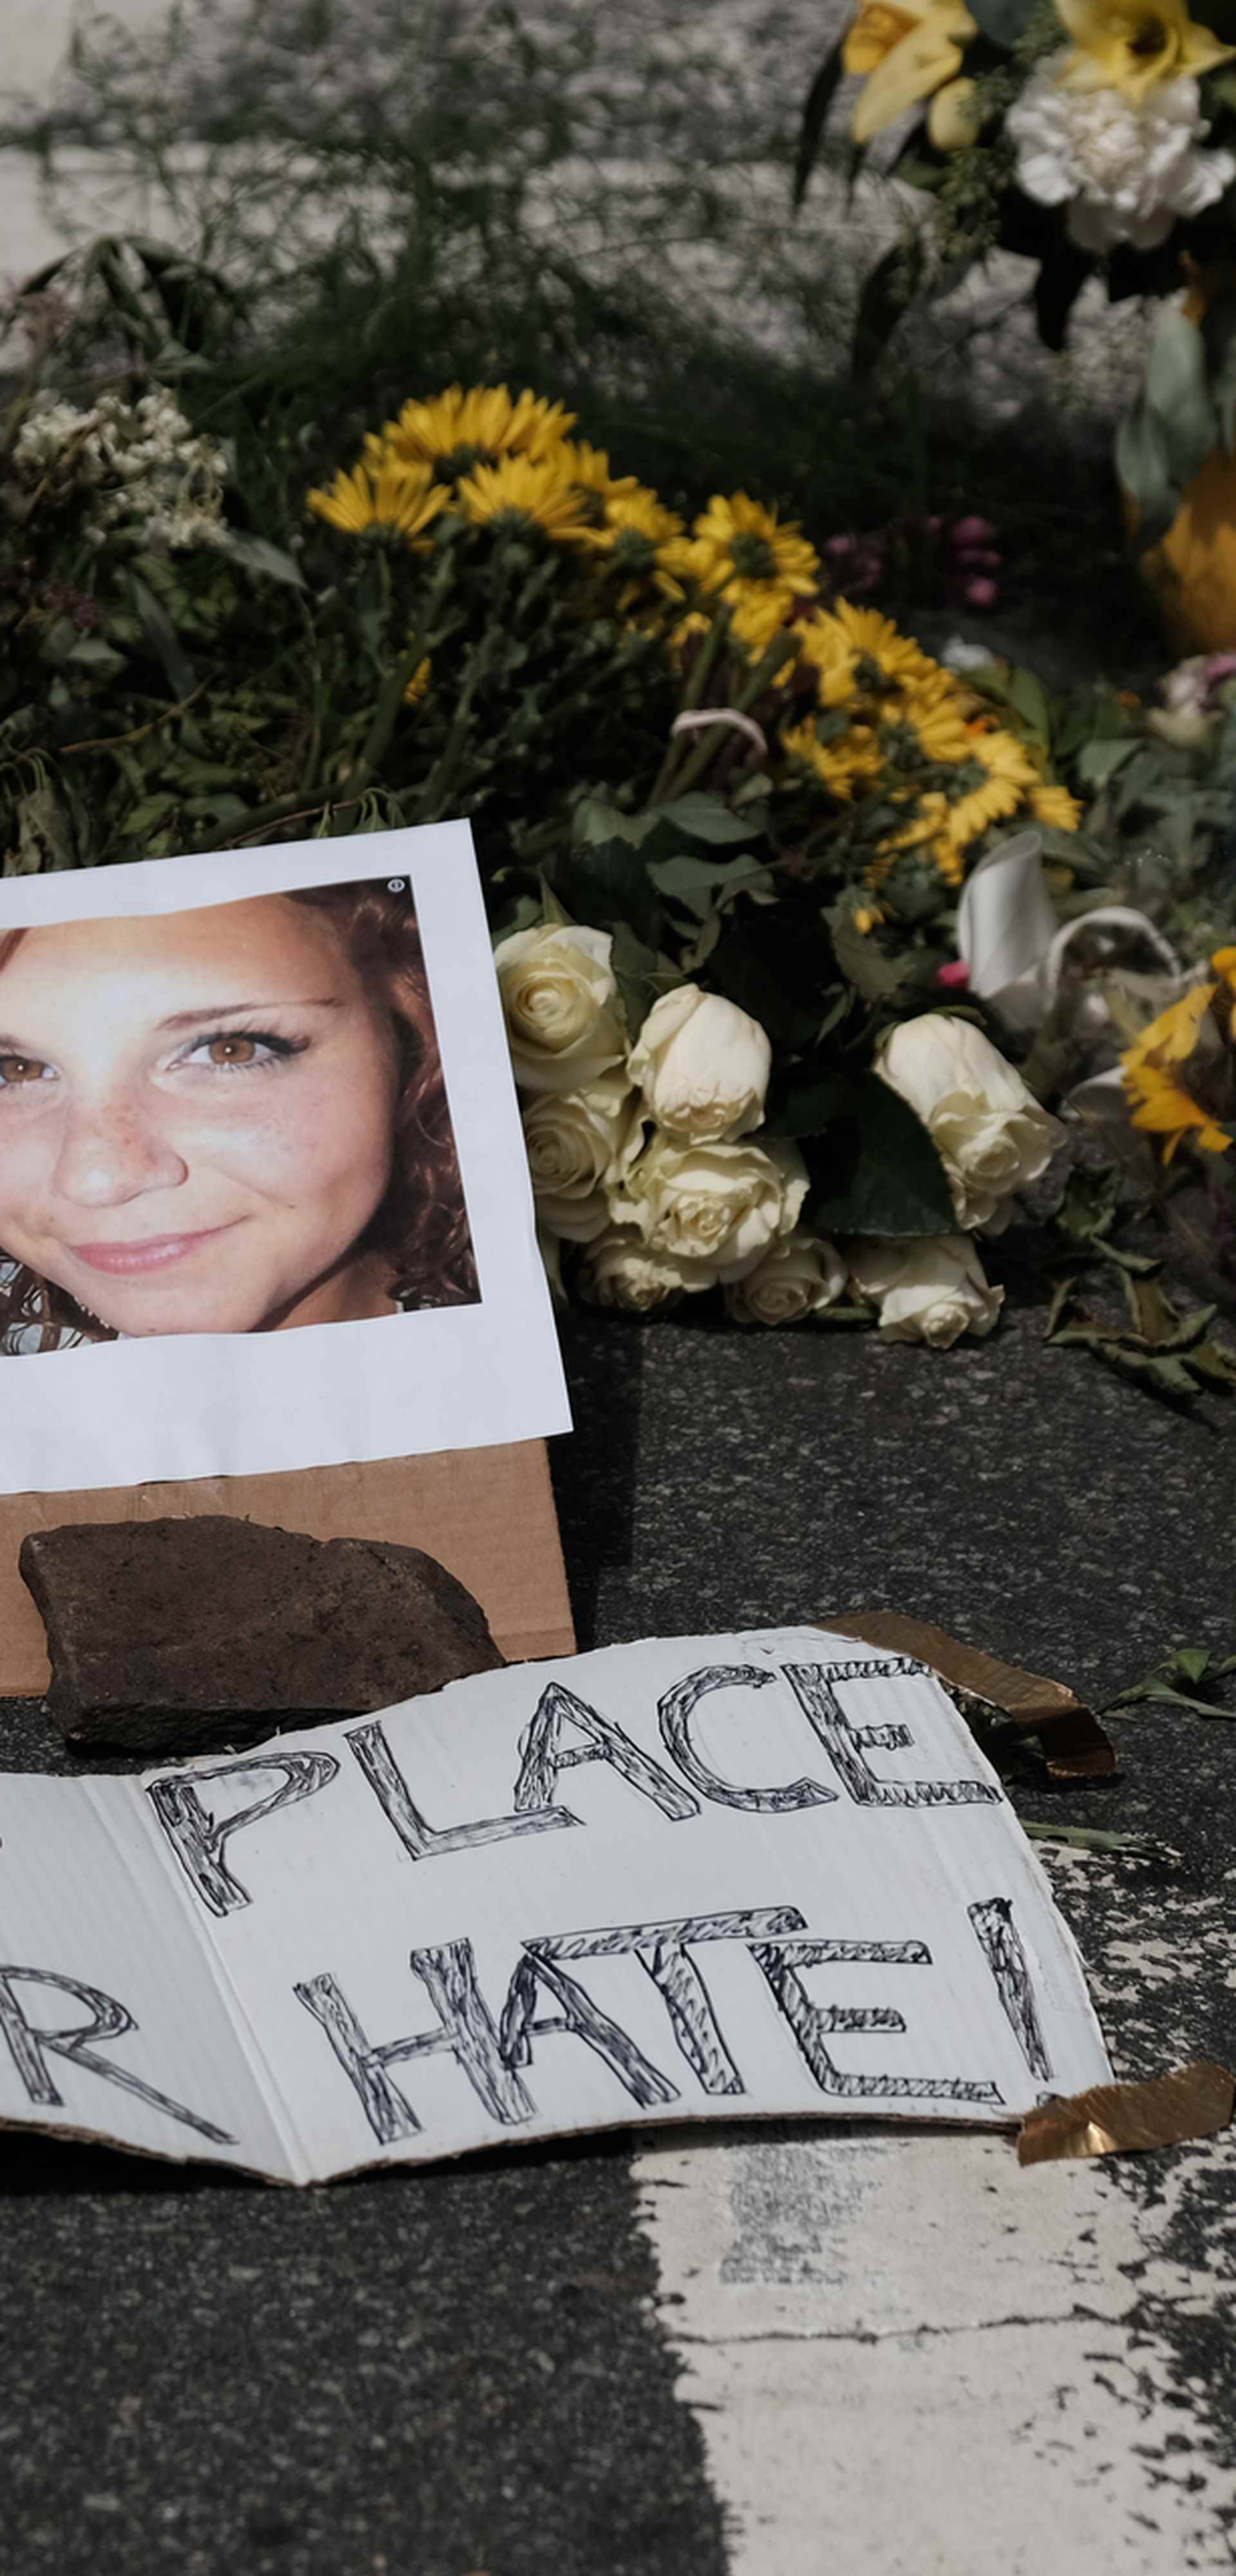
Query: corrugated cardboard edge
point(1075, 1746)
point(487, 1515)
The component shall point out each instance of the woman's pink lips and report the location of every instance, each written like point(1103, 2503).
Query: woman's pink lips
point(154, 1253)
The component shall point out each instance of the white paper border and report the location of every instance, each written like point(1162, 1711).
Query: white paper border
point(172, 1407)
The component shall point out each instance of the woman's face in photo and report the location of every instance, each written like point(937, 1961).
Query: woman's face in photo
point(196, 1117)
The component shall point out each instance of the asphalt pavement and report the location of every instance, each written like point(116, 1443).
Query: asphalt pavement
point(499, 2366)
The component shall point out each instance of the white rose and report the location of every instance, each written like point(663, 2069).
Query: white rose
point(720, 1206)
point(930, 1290)
point(563, 1017)
point(702, 1065)
point(621, 1270)
point(988, 1129)
point(579, 1144)
point(798, 1277)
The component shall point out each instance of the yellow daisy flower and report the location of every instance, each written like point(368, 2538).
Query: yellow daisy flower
point(1154, 1071)
point(1054, 806)
point(874, 638)
point(589, 467)
point(927, 834)
point(458, 429)
point(1009, 776)
point(1134, 46)
point(826, 648)
point(938, 727)
point(524, 492)
point(757, 619)
point(843, 765)
point(740, 547)
point(637, 529)
point(380, 493)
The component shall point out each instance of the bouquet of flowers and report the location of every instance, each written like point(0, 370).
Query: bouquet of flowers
point(738, 831)
point(1095, 137)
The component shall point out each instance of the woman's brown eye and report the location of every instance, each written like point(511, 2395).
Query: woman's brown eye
point(236, 1050)
point(19, 1068)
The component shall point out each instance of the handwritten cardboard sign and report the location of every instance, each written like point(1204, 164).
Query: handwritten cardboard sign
point(692, 1878)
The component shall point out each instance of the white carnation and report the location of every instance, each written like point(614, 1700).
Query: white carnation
point(1126, 170)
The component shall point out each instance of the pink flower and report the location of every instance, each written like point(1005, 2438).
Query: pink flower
point(956, 973)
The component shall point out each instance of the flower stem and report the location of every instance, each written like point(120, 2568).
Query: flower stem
point(700, 675)
point(781, 650)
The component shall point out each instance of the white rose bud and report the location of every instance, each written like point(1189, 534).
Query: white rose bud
point(930, 1290)
point(988, 1129)
point(621, 1270)
point(579, 1144)
point(702, 1065)
point(719, 1206)
point(797, 1277)
point(563, 1017)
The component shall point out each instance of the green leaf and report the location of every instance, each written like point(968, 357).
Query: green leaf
point(877, 1170)
point(162, 639)
point(1098, 762)
point(259, 556)
point(1144, 469)
point(863, 962)
point(887, 294)
point(1177, 391)
point(1005, 21)
point(815, 117)
point(700, 817)
point(606, 883)
point(1028, 698)
point(687, 879)
point(640, 974)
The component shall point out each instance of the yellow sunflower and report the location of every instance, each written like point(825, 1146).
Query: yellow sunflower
point(826, 648)
point(842, 766)
point(739, 548)
point(1155, 1071)
point(459, 429)
point(899, 661)
point(937, 726)
point(1054, 806)
point(927, 835)
point(380, 493)
point(524, 492)
point(1134, 46)
point(1008, 776)
point(637, 528)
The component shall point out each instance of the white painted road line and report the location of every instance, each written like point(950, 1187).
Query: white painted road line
point(911, 2357)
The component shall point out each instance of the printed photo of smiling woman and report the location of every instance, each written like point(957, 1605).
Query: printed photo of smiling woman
point(225, 1120)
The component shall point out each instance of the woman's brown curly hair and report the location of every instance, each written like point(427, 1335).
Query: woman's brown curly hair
point(422, 1224)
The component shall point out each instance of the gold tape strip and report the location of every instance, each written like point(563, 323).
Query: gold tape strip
point(1075, 1746)
point(1193, 2102)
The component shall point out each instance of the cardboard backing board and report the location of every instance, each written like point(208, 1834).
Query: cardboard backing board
point(486, 1514)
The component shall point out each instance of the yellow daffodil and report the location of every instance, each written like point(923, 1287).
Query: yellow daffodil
point(458, 429)
point(525, 492)
point(381, 492)
point(739, 547)
point(907, 52)
point(1134, 46)
point(1155, 1068)
point(955, 117)
point(842, 766)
